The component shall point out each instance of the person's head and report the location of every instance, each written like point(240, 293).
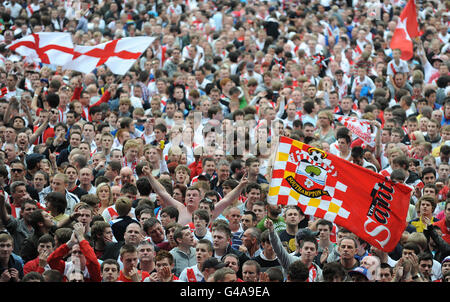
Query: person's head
point(308, 248)
point(233, 214)
point(169, 214)
point(292, 215)
point(123, 206)
point(360, 274)
point(163, 259)
point(192, 198)
point(184, 237)
point(410, 249)
point(347, 248)
point(56, 202)
point(109, 270)
point(33, 277)
point(201, 219)
point(324, 227)
point(251, 238)
point(428, 175)
point(153, 228)
point(425, 261)
point(101, 231)
point(17, 169)
point(203, 250)
point(386, 272)
point(297, 272)
point(259, 208)
point(59, 183)
point(125, 175)
point(146, 251)
point(225, 274)
point(248, 220)
point(221, 234)
point(253, 192)
point(372, 264)
point(27, 207)
point(333, 272)
point(129, 257)
point(75, 276)
point(426, 205)
point(6, 246)
point(41, 221)
point(251, 271)
point(133, 234)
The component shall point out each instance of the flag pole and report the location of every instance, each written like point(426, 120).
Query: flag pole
point(274, 148)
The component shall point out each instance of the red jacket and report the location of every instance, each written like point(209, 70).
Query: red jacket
point(445, 230)
point(55, 260)
point(33, 266)
point(125, 279)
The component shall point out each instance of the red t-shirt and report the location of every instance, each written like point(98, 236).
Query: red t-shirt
point(123, 278)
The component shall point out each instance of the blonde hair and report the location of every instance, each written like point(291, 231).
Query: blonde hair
point(123, 205)
point(101, 185)
point(131, 143)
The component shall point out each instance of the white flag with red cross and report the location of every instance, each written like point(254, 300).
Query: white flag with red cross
point(118, 55)
point(359, 127)
point(45, 47)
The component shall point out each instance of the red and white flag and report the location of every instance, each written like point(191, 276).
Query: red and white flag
point(119, 55)
point(326, 186)
point(32, 8)
point(359, 127)
point(407, 28)
point(45, 47)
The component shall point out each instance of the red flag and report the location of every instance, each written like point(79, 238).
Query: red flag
point(3, 91)
point(407, 28)
point(326, 186)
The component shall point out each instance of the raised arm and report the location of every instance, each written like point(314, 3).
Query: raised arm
point(230, 197)
point(283, 256)
point(39, 131)
point(3, 213)
point(159, 189)
point(91, 259)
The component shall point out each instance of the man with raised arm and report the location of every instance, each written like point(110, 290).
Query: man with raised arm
point(192, 198)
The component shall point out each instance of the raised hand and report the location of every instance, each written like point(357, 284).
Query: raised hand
point(135, 275)
point(268, 224)
point(78, 230)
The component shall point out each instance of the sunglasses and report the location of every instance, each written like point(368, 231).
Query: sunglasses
point(16, 170)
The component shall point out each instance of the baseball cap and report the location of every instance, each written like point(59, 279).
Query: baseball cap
point(213, 263)
point(436, 58)
point(362, 271)
point(305, 232)
point(446, 259)
point(250, 66)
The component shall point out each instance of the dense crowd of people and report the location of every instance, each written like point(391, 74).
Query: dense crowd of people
point(162, 174)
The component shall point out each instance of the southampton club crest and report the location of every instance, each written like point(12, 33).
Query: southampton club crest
point(312, 172)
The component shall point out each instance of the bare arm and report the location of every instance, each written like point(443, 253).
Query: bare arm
point(159, 189)
point(230, 197)
point(377, 139)
point(37, 92)
point(38, 131)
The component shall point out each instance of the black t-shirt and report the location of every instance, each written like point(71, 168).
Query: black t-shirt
point(288, 241)
point(266, 264)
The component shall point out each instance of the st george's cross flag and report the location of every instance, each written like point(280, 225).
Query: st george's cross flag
point(45, 47)
point(407, 29)
point(359, 127)
point(326, 186)
point(119, 55)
